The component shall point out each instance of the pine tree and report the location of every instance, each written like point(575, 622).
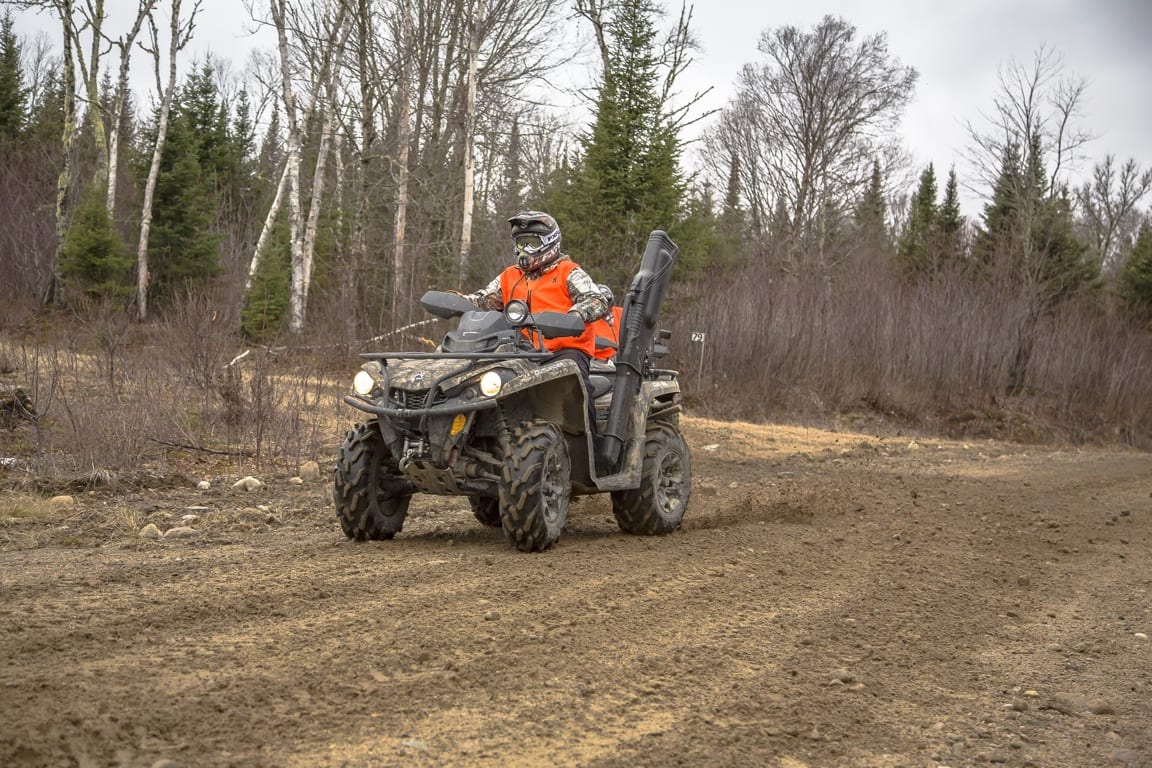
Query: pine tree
point(1000, 235)
point(183, 245)
point(93, 257)
point(732, 196)
point(869, 217)
point(1136, 277)
point(627, 181)
point(950, 222)
point(13, 93)
point(265, 310)
point(917, 247)
point(46, 118)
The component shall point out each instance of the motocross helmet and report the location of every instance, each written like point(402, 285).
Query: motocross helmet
point(536, 239)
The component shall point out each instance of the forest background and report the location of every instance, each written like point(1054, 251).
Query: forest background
point(298, 209)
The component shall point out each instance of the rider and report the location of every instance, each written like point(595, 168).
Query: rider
point(607, 328)
point(548, 281)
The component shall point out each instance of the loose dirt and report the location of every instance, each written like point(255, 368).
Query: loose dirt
point(833, 599)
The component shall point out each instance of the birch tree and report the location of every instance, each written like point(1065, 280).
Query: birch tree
point(470, 139)
point(65, 12)
point(330, 40)
point(125, 44)
point(180, 33)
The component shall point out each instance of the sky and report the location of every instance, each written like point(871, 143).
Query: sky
point(958, 49)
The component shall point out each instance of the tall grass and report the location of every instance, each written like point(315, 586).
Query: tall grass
point(937, 352)
point(119, 397)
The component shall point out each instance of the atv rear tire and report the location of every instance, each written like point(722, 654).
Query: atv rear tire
point(371, 498)
point(535, 486)
point(486, 510)
point(657, 506)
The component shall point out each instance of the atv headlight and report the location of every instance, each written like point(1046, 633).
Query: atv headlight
point(490, 384)
point(363, 383)
point(516, 311)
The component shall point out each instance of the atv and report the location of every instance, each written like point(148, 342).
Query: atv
point(489, 415)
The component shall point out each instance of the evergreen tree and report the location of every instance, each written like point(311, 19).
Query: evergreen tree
point(627, 181)
point(950, 222)
point(917, 247)
point(869, 218)
point(46, 118)
point(271, 158)
point(93, 256)
point(732, 196)
point(1136, 277)
point(265, 308)
point(1061, 262)
point(13, 93)
point(999, 234)
point(183, 245)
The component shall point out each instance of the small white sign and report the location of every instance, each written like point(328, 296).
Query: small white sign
point(698, 336)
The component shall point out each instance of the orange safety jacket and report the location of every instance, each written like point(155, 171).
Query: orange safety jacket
point(547, 292)
point(610, 332)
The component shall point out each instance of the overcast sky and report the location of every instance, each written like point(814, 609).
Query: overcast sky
point(957, 49)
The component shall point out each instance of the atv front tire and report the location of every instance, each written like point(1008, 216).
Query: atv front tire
point(657, 506)
point(535, 486)
point(371, 499)
point(486, 510)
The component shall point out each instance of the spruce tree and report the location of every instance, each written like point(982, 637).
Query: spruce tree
point(869, 217)
point(999, 234)
point(13, 93)
point(1136, 276)
point(94, 258)
point(627, 181)
point(950, 222)
point(917, 247)
point(184, 245)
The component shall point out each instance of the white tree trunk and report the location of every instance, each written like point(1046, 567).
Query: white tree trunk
point(266, 231)
point(292, 170)
point(469, 144)
point(125, 46)
point(142, 276)
point(319, 181)
point(403, 139)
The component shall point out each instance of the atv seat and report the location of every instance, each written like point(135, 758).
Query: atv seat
point(600, 385)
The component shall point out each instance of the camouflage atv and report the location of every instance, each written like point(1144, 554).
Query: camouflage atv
point(490, 417)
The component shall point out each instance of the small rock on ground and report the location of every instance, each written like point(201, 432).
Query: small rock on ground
point(247, 484)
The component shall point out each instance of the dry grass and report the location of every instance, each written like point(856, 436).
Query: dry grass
point(24, 507)
point(918, 353)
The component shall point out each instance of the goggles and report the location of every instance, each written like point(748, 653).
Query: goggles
point(530, 244)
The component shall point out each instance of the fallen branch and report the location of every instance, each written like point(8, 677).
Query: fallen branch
point(201, 449)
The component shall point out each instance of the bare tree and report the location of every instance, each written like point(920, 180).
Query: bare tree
point(125, 43)
point(807, 123)
point(180, 33)
point(328, 34)
point(1036, 108)
point(65, 13)
point(404, 118)
point(1108, 207)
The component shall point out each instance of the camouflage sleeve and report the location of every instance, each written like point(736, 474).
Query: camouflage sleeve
point(490, 297)
point(587, 301)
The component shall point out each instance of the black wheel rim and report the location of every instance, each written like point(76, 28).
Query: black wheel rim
point(670, 481)
point(553, 486)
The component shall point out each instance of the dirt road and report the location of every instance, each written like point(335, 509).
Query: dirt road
point(833, 599)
